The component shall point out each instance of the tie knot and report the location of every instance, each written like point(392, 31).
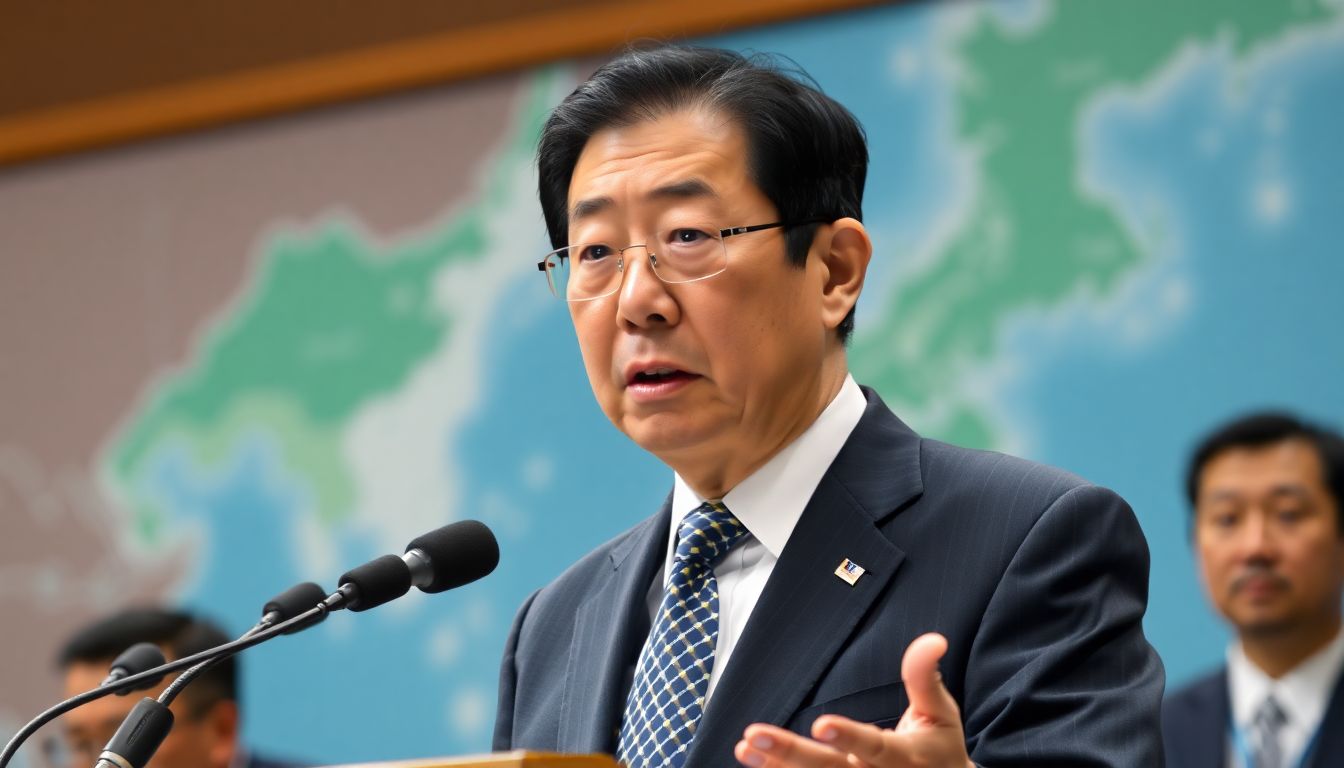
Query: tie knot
point(707, 533)
point(1270, 717)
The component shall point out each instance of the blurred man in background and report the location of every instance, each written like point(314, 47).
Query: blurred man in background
point(1265, 492)
point(207, 722)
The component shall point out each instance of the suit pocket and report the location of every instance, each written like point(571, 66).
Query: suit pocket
point(882, 706)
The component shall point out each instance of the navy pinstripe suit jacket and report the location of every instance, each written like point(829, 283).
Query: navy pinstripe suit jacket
point(1038, 579)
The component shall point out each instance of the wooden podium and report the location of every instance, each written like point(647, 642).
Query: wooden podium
point(518, 759)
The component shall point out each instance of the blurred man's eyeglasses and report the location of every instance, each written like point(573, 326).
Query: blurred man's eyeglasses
point(680, 255)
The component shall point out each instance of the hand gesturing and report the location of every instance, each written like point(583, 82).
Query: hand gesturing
point(928, 734)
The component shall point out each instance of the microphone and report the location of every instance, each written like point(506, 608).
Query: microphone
point(284, 606)
point(291, 603)
point(445, 558)
point(452, 556)
point(138, 737)
point(304, 599)
point(378, 581)
point(132, 661)
point(448, 557)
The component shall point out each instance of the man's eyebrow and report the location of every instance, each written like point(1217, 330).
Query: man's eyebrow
point(680, 190)
point(683, 189)
point(589, 207)
point(1220, 494)
point(1291, 490)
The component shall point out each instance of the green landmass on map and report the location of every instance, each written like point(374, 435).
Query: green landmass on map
point(330, 320)
point(327, 322)
point(1032, 238)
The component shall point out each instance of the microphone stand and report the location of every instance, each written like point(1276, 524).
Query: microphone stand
point(335, 601)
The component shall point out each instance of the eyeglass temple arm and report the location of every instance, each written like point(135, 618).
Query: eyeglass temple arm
point(758, 227)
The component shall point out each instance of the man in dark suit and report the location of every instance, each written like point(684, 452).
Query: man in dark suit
point(791, 602)
point(1265, 492)
point(206, 725)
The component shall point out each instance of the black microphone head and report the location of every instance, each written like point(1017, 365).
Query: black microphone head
point(140, 734)
point(377, 581)
point(292, 602)
point(459, 553)
point(134, 660)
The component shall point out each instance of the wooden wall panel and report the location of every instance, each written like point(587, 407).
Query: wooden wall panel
point(81, 74)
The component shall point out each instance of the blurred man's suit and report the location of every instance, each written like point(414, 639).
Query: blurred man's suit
point(1195, 721)
point(1037, 578)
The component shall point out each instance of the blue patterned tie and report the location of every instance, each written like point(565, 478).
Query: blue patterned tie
point(672, 677)
point(1268, 723)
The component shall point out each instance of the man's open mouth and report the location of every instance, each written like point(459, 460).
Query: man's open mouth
point(659, 376)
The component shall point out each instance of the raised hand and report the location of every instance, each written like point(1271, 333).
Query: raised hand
point(929, 733)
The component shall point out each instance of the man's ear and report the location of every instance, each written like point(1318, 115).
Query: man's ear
point(844, 251)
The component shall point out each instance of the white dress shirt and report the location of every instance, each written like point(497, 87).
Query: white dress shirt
point(769, 503)
point(1303, 694)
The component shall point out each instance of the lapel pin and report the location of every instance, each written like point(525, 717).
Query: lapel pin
point(849, 571)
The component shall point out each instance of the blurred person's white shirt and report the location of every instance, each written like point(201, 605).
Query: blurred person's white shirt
point(1302, 694)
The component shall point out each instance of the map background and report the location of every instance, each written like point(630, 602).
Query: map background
point(264, 354)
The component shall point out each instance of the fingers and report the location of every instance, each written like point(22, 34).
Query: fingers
point(765, 746)
point(868, 744)
point(930, 703)
point(929, 733)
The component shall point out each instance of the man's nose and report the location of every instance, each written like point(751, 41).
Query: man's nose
point(644, 300)
point(1258, 538)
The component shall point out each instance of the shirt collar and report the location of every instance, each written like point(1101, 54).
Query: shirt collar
point(771, 499)
point(1303, 693)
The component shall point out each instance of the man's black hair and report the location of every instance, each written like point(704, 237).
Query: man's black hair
point(1257, 430)
point(806, 152)
point(177, 633)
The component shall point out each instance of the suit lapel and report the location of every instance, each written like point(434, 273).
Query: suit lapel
point(1329, 749)
point(610, 629)
point(1210, 728)
point(806, 613)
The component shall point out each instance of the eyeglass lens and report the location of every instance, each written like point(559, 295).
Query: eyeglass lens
point(591, 270)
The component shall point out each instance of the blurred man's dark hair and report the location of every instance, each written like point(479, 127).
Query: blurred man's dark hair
point(1257, 430)
point(807, 152)
point(177, 633)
